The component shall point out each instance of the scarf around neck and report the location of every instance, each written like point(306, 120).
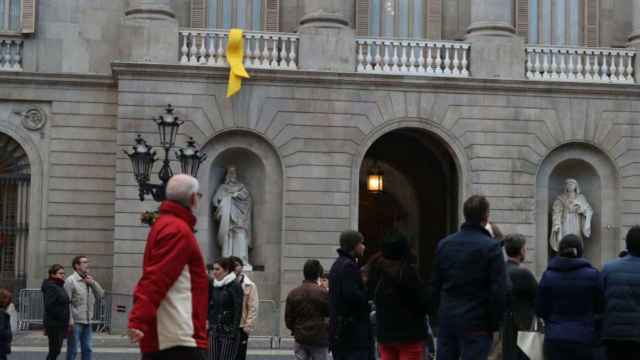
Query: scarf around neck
point(230, 277)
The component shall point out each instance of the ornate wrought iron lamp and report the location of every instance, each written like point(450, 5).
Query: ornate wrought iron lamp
point(143, 157)
point(375, 179)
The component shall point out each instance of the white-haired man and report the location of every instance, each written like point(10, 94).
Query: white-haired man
point(169, 312)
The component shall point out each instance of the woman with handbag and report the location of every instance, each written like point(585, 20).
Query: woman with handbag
point(225, 311)
point(571, 302)
point(56, 310)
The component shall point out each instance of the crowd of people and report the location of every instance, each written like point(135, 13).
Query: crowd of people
point(479, 298)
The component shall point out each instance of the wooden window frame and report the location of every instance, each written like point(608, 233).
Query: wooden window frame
point(27, 18)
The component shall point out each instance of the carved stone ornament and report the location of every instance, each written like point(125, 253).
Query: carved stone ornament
point(33, 118)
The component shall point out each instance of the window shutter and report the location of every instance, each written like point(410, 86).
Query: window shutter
point(198, 14)
point(362, 17)
point(272, 16)
point(522, 19)
point(28, 16)
point(591, 26)
point(433, 19)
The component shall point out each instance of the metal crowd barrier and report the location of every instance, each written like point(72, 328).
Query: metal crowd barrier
point(31, 310)
point(267, 324)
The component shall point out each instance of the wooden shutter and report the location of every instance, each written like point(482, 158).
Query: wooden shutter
point(272, 16)
point(28, 16)
point(522, 19)
point(198, 14)
point(362, 17)
point(433, 19)
point(591, 23)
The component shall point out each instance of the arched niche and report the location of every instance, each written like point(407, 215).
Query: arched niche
point(260, 170)
point(598, 180)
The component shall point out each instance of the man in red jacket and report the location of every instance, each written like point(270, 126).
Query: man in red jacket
point(169, 312)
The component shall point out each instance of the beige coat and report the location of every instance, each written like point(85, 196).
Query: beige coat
point(82, 299)
point(250, 305)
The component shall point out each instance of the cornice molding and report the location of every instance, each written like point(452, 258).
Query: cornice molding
point(59, 79)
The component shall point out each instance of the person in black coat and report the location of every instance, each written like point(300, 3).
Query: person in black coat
point(225, 311)
point(5, 324)
point(400, 300)
point(621, 280)
point(350, 335)
point(522, 296)
point(571, 301)
point(56, 309)
point(469, 286)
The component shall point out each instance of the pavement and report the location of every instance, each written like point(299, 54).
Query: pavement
point(32, 345)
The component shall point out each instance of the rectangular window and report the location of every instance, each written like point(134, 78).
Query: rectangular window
point(556, 22)
point(243, 14)
point(397, 18)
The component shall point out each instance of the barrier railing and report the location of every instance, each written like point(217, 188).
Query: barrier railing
point(31, 310)
point(11, 54)
point(412, 57)
point(596, 65)
point(262, 50)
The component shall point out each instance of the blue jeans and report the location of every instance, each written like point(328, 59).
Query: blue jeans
point(465, 347)
point(81, 334)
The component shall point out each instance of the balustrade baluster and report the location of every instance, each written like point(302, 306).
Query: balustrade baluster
point(369, 58)
point(203, 49)
point(212, 49)
point(184, 50)
point(430, 59)
point(465, 62)
point(438, 60)
point(456, 62)
point(193, 51)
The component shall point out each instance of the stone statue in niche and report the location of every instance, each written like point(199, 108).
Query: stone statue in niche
point(232, 212)
point(571, 214)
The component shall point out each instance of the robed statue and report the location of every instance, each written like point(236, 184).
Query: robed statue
point(572, 214)
point(232, 204)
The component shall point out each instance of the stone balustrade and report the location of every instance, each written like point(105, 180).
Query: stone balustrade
point(262, 50)
point(411, 57)
point(596, 65)
point(11, 54)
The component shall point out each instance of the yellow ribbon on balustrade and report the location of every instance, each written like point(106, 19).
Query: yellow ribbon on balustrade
point(235, 58)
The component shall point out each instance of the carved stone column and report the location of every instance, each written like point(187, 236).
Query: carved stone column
point(150, 32)
point(327, 39)
point(496, 50)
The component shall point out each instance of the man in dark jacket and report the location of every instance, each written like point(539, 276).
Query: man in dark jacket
point(621, 279)
point(306, 314)
point(349, 327)
point(522, 296)
point(469, 286)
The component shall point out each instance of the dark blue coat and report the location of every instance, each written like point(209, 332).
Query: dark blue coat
point(570, 300)
point(469, 282)
point(621, 280)
point(349, 327)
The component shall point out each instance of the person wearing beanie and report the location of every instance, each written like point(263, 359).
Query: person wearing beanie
point(621, 281)
point(571, 302)
point(400, 300)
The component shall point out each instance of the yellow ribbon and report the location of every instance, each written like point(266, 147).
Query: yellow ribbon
point(235, 58)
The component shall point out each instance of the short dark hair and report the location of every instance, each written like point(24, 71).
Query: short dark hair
point(312, 270)
point(476, 209)
point(633, 240)
point(570, 246)
point(349, 239)
point(76, 261)
point(513, 244)
point(5, 298)
point(55, 268)
point(226, 263)
point(236, 260)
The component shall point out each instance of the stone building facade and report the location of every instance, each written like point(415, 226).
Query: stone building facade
point(462, 104)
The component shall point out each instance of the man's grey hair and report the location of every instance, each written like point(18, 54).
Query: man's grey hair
point(181, 187)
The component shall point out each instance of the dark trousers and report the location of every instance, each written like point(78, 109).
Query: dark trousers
point(568, 351)
point(351, 354)
point(223, 346)
point(56, 338)
point(242, 346)
point(622, 350)
point(177, 353)
point(464, 347)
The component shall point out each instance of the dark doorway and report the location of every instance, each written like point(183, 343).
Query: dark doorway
point(420, 193)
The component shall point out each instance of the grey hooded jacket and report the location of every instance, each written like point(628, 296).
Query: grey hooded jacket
point(83, 298)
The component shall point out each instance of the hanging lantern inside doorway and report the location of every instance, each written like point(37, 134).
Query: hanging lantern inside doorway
point(375, 179)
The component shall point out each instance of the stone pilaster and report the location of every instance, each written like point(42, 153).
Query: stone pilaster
point(150, 32)
point(327, 40)
point(496, 50)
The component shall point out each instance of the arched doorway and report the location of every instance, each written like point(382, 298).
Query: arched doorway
point(15, 179)
point(420, 197)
